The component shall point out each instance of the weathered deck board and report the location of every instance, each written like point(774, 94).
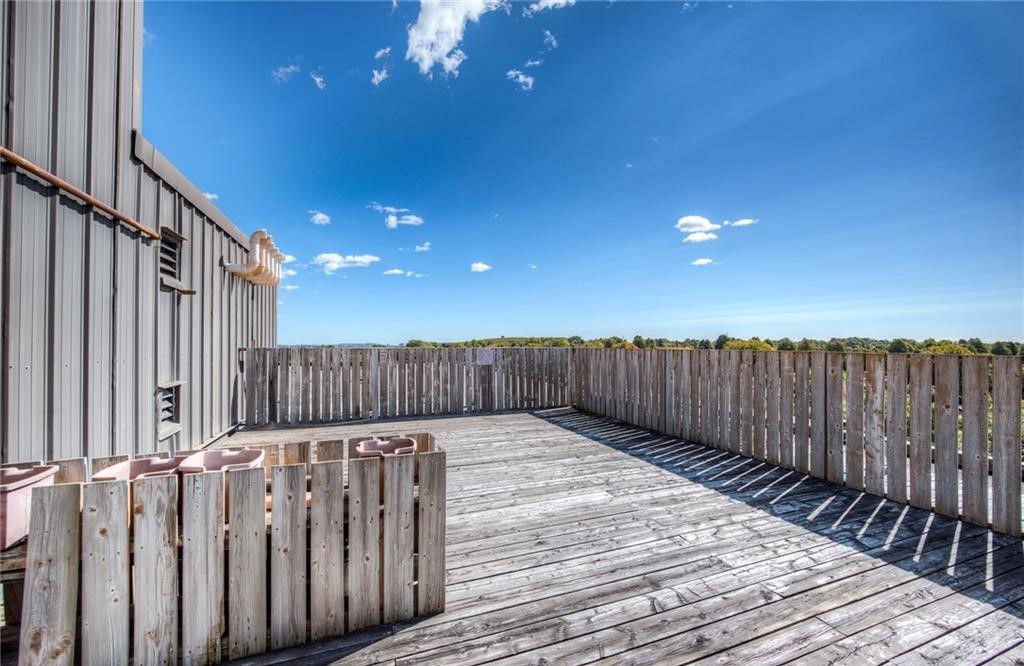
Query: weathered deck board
point(574, 539)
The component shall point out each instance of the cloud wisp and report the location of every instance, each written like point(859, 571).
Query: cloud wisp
point(703, 261)
point(525, 81)
point(544, 5)
point(479, 267)
point(331, 262)
point(212, 196)
point(423, 247)
point(284, 73)
point(379, 76)
point(435, 37)
point(318, 80)
point(319, 218)
point(399, 271)
point(395, 216)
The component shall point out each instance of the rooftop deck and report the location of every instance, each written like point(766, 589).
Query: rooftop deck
point(574, 539)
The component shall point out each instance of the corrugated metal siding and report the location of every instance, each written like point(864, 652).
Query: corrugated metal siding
point(87, 333)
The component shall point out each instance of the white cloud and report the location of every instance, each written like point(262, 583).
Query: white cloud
point(288, 272)
point(533, 63)
point(318, 80)
point(399, 271)
point(381, 208)
point(700, 237)
point(332, 261)
point(629, 165)
point(479, 267)
point(382, 53)
point(745, 222)
point(703, 261)
point(691, 223)
point(392, 221)
point(147, 36)
point(423, 247)
point(319, 217)
point(531, 266)
point(285, 72)
point(379, 76)
point(212, 196)
point(541, 5)
point(291, 287)
point(549, 40)
point(435, 36)
point(525, 81)
point(288, 258)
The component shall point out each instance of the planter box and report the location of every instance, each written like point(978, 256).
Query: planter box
point(16, 487)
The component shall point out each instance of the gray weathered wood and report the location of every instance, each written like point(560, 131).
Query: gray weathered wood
point(835, 463)
point(874, 423)
point(896, 427)
point(106, 594)
point(430, 547)
point(327, 550)
point(48, 618)
point(364, 572)
point(1006, 444)
point(855, 420)
point(920, 469)
point(975, 439)
point(155, 538)
point(947, 445)
point(398, 536)
point(247, 573)
point(288, 557)
point(202, 553)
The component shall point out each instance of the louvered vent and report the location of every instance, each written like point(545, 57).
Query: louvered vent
point(170, 253)
point(168, 401)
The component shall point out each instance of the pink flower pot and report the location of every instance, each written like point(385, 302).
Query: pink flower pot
point(225, 460)
point(16, 499)
point(396, 446)
point(139, 468)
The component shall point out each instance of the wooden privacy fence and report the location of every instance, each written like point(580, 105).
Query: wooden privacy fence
point(938, 432)
point(331, 384)
point(219, 565)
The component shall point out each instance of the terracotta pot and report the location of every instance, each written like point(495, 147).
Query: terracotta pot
point(396, 446)
point(16, 499)
point(216, 460)
point(139, 468)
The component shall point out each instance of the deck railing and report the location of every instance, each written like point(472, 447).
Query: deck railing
point(313, 385)
point(938, 432)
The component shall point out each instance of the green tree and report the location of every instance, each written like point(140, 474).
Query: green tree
point(806, 345)
point(947, 347)
point(754, 344)
point(901, 346)
point(785, 344)
point(721, 340)
point(835, 345)
point(1004, 348)
point(978, 346)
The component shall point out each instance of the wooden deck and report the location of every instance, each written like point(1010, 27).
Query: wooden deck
point(574, 539)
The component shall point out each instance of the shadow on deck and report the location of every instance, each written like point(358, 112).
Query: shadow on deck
point(562, 550)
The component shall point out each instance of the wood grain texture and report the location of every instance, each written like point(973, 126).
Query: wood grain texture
point(947, 445)
point(874, 423)
point(364, 573)
point(773, 453)
point(327, 550)
point(835, 463)
point(430, 547)
point(786, 379)
point(975, 439)
point(398, 537)
point(247, 570)
point(819, 419)
point(896, 427)
point(48, 617)
point(202, 554)
point(288, 557)
point(106, 592)
point(155, 536)
point(801, 412)
point(1006, 444)
point(920, 461)
point(855, 420)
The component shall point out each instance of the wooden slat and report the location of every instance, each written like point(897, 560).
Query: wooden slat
point(786, 409)
point(759, 448)
point(686, 394)
point(855, 420)
point(155, 519)
point(801, 412)
point(921, 431)
point(364, 567)
point(772, 398)
point(330, 449)
point(251, 375)
point(947, 445)
point(975, 439)
point(1006, 444)
point(398, 535)
point(202, 554)
point(734, 400)
point(71, 470)
point(818, 419)
point(48, 617)
point(874, 423)
point(327, 550)
point(247, 575)
point(297, 453)
point(746, 402)
point(430, 547)
point(288, 557)
point(105, 564)
point(896, 427)
point(834, 455)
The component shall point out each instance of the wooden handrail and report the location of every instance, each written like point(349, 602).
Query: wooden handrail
point(84, 197)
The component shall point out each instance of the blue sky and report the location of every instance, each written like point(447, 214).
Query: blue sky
point(873, 151)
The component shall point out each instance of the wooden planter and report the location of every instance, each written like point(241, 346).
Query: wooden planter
point(362, 553)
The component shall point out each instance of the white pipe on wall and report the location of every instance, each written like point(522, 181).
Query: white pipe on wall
point(264, 264)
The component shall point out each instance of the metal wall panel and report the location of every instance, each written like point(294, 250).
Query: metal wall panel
point(88, 332)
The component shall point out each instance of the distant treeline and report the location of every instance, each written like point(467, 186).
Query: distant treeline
point(897, 346)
